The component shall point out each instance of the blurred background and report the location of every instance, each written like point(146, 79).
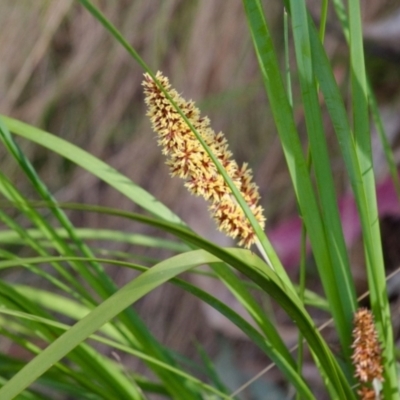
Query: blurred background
point(61, 71)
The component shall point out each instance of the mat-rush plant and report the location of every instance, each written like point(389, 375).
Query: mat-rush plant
point(28, 315)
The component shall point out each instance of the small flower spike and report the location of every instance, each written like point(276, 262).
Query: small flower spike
point(187, 159)
point(367, 354)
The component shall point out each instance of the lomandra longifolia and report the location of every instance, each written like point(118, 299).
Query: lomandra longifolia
point(188, 159)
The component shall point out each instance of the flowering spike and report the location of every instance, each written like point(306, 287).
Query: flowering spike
point(367, 354)
point(188, 160)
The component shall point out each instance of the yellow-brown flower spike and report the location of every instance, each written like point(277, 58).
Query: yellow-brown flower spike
point(188, 160)
point(367, 353)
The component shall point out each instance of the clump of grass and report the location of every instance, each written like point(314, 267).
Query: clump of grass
point(202, 158)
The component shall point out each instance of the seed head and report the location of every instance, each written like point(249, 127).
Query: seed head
point(367, 353)
point(187, 159)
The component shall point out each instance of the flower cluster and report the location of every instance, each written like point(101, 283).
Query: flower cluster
point(367, 353)
point(188, 160)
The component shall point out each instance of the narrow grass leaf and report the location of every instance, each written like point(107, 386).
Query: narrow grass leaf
point(275, 349)
point(292, 149)
point(93, 165)
point(337, 274)
point(364, 194)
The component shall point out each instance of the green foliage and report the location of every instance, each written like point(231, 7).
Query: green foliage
point(66, 358)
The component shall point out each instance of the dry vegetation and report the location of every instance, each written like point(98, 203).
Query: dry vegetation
point(61, 71)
